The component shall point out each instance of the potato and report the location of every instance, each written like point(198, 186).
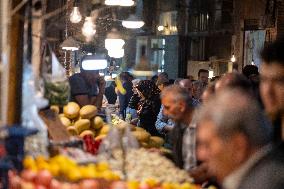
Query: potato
point(72, 131)
point(71, 110)
point(97, 122)
point(65, 121)
point(88, 111)
point(87, 132)
point(82, 124)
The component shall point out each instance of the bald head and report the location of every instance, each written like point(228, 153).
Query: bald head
point(233, 81)
point(187, 85)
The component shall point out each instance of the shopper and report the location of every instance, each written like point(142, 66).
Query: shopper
point(187, 84)
point(124, 98)
point(87, 87)
point(163, 124)
point(148, 106)
point(178, 106)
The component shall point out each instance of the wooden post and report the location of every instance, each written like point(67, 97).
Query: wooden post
point(15, 66)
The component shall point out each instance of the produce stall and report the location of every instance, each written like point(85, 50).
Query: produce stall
point(101, 152)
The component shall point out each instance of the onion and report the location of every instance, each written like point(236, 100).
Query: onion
point(28, 175)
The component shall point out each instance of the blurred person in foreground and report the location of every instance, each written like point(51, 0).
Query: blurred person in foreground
point(178, 106)
point(272, 85)
point(235, 141)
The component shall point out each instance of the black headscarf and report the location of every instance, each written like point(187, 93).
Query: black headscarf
point(148, 107)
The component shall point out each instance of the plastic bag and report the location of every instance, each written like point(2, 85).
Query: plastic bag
point(118, 139)
point(32, 101)
point(57, 89)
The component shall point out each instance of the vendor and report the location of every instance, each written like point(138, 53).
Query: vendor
point(87, 87)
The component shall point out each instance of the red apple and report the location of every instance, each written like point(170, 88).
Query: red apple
point(44, 178)
point(40, 187)
point(55, 184)
point(118, 185)
point(144, 186)
point(89, 184)
point(28, 175)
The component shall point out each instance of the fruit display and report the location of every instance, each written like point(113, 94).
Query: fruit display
point(143, 137)
point(29, 180)
point(83, 121)
point(142, 165)
point(67, 169)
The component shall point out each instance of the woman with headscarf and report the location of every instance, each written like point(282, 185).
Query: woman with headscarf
point(148, 106)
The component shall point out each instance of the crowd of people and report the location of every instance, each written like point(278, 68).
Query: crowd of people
point(228, 132)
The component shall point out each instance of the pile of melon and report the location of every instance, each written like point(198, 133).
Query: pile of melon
point(83, 121)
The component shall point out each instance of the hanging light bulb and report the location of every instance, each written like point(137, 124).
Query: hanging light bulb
point(160, 28)
point(252, 62)
point(89, 29)
point(233, 58)
point(132, 22)
point(75, 16)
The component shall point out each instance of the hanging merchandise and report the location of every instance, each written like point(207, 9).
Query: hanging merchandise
point(57, 87)
point(33, 101)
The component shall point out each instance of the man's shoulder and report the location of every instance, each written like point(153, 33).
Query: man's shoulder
point(268, 172)
point(75, 76)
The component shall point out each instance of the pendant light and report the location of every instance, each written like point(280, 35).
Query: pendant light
point(89, 28)
point(132, 22)
point(70, 44)
point(125, 3)
point(94, 62)
point(75, 16)
point(114, 44)
point(233, 58)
